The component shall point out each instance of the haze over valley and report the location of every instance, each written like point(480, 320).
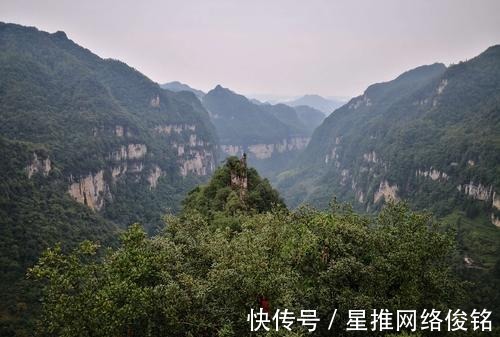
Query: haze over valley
point(145, 191)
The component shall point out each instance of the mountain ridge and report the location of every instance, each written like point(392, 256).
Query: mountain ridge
point(89, 146)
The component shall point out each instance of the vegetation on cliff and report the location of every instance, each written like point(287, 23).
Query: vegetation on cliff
point(201, 276)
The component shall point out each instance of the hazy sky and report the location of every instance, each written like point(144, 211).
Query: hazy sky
point(282, 47)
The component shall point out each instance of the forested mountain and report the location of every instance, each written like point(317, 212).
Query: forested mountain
point(87, 145)
point(432, 137)
point(271, 135)
point(432, 128)
point(310, 117)
point(317, 102)
point(235, 248)
point(177, 86)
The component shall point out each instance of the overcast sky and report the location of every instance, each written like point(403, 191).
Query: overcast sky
point(282, 47)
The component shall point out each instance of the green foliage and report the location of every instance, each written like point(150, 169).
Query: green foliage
point(223, 196)
point(62, 102)
point(195, 279)
point(431, 118)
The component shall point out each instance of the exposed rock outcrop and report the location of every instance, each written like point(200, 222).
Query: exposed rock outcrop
point(200, 162)
point(386, 191)
point(119, 131)
point(39, 165)
point(433, 174)
point(478, 192)
point(370, 157)
point(483, 193)
point(265, 151)
point(332, 156)
point(496, 201)
point(136, 151)
point(441, 86)
point(119, 170)
point(155, 102)
point(177, 128)
point(232, 150)
point(153, 177)
point(180, 150)
point(261, 151)
point(239, 179)
point(130, 152)
point(90, 190)
point(495, 220)
point(361, 101)
point(136, 167)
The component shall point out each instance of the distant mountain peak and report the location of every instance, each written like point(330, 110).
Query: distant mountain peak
point(60, 34)
point(177, 86)
point(317, 102)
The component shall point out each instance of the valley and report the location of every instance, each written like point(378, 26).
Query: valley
point(92, 150)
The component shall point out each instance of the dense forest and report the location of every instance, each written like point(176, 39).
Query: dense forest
point(88, 146)
point(237, 246)
point(119, 218)
point(430, 137)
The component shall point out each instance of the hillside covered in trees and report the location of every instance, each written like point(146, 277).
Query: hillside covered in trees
point(87, 146)
point(271, 135)
point(215, 262)
point(110, 226)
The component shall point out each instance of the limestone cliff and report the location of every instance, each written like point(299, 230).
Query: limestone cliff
point(90, 190)
point(197, 162)
point(386, 191)
point(266, 151)
point(39, 165)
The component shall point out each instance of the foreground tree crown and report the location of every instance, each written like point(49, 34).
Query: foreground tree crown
point(229, 249)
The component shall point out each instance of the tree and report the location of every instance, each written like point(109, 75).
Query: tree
point(195, 279)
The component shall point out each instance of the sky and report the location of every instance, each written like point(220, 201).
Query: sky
point(281, 48)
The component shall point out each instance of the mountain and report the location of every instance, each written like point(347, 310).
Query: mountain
point(177, 86)
point(233, 243)
point(88, 146)
point(234, 188)
point(430, 137)
point(310, 117)
point(271, 135)
point(317, 102)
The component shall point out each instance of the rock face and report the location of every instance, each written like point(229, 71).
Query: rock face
point(483, 193)
point(495, 220)
point(239, 178)
point(386, 191)
point(496, 201)
point(266, 151)
point(119, 131)
point(271, 135)
point(176, 128)
point(232, 150)
point(370, 157)
point(429, 132)
point(136, 151)
point(131, 151)
point(154, 176)
point(198, 162)
point(433, 174)
point(478, 192)
point(39, 165)
point(155, 102)
point(90, 190)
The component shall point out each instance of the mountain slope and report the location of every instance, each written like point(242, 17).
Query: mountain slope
point(271, 135)
point(317, 102)
point(88, 146)
point(177, 86)
point(431, 136)
point(311, 118)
